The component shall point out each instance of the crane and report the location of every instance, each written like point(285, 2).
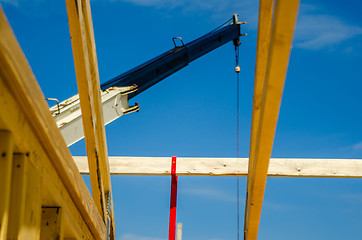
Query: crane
point(116, 92)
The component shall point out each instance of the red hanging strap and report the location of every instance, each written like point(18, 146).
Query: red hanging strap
point(173, 200)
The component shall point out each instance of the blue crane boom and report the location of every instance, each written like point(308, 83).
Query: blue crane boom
point(153, 71)
point(116, 92)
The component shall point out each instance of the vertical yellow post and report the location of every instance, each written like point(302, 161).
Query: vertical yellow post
point(6, 158)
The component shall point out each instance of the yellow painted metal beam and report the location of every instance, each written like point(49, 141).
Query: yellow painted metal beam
point(26, 115)
point(86, 67)
point(266, 111)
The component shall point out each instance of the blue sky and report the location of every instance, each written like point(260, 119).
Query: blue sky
point(192, 113)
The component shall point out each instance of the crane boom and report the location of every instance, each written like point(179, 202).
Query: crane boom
point(148, 74)
point(117, 91)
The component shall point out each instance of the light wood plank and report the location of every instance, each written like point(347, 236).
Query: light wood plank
point(262, 53)
point(280, 45)
point(53, 194)
point(278, 167)
point(25, 206)
point(53, 191)
point(30, 229)
point(18, 197)
point(85, 61)
point(79, 32)
point(28, 117)
point(6, 161)
point(179, 231)
point(52, 223)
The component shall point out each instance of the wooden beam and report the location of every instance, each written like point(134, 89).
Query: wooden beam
point(53, 194)
point(25, 206)
point(18, 197)
point(264, 124)
point(278, 167)
point(86, 67)
point(179, 231)
point(6, 161)
point(34, 130)
point(52, 223)
point(262, 53)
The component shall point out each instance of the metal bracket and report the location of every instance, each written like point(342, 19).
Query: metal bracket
point(236, 20)
point(179, 38)
point(54, 99)
point(131, 89)
point(109, 212)
point(132, 109)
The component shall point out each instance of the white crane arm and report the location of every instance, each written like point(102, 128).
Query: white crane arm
point(68, 117)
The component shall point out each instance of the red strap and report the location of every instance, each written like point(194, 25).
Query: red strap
point(173, 200)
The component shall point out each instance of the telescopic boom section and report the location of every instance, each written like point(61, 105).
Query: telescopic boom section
point(148, 74)
point(116, 92)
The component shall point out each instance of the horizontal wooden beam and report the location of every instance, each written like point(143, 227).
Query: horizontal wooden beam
point(279, 167)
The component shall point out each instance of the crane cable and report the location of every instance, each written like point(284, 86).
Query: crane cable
point(222, 25)
point(237, 70)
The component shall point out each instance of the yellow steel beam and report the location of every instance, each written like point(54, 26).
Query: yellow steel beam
point(26, 115)
point(266, 111)
point(86, 67)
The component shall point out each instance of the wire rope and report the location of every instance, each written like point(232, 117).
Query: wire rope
point(228, 21)
point(237, 70)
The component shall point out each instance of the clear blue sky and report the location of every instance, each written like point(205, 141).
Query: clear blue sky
point(192, 113)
